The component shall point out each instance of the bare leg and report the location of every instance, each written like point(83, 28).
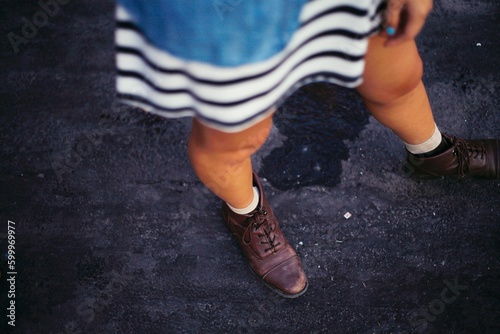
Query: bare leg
point(395, 95)
point(222, 160)
point(393, 90)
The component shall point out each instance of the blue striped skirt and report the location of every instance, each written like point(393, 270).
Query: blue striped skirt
point(229, 62)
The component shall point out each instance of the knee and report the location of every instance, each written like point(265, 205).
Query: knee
point(391, 90)
point(226, 148)
point(406, 83)
point(390, 73)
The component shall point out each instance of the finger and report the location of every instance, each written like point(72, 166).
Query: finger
point(409, 28)
point(411, 23)
point(392, 16)
point(412, 19)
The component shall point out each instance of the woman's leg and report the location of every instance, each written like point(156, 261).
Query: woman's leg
point(395, 95)
point(393, 91)
point(222, 160)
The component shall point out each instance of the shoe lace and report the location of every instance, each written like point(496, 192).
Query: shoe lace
point(259, 221)
point(464, 151)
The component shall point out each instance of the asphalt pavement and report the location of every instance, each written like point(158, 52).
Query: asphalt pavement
point(111, 232)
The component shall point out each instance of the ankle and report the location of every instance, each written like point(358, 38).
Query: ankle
point(433, 146)
point(249, 208)
point(441, 148)
point(428, 145)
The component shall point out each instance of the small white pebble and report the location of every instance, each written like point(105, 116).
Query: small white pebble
point(478, 44)
point(301, 243)
point(347, 215)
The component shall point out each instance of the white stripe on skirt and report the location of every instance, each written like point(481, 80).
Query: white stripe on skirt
point(329, 46)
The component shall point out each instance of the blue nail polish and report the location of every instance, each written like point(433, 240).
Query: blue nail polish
point(390, 31)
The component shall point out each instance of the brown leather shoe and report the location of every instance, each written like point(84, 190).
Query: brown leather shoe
point(269, 254)
point(465, 158)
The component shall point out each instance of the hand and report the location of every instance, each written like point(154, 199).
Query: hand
point(407, 17)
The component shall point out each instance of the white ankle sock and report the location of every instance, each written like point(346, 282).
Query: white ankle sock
point(428, 145)
point(249, 208)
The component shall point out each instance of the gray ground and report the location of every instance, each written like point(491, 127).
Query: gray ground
point(114, 234)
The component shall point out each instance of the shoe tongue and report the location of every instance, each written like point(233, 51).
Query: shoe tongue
point(444, 146)
point(256, 212)
point(448, 142)
point(245, 219)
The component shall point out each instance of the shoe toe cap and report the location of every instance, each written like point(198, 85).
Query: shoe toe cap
point(288, 278)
